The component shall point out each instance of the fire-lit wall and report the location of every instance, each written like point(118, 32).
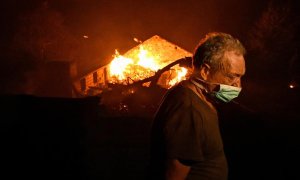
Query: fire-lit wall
point(95, 78)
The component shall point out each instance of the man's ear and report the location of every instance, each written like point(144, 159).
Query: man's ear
point(204, 71)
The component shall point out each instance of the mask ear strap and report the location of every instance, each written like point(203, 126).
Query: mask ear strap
point(204, 91)
point(203, 94)
point(198, 85)
point(216, 87)
point(199, 90)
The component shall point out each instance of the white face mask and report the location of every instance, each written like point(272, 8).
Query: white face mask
point(226, 93)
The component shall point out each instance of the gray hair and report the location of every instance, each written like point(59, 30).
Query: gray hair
point(211, 50)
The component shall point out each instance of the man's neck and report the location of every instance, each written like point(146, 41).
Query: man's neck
point(200, 91)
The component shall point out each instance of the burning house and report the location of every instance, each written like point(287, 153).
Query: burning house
point(153, 64)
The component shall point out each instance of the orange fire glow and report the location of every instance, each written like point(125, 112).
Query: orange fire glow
point(142, 64)
point(181, 73)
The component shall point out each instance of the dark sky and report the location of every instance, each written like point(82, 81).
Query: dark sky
point(184, 22)
point(113, 24)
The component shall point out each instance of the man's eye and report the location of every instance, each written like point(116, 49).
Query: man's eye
point(231, 76)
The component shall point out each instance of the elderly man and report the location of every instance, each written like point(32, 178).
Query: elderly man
point(185, 139)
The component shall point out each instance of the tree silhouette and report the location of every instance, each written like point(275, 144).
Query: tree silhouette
point(272, 45)
point(40, 37)
point(274, 41)
point(43, 34)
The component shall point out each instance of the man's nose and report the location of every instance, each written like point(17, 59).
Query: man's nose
point(237, 83)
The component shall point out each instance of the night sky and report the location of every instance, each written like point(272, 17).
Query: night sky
point(113, 24)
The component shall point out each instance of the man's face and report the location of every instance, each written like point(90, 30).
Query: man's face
point(234, 70)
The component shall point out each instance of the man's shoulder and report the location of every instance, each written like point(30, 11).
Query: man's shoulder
point(184, 90)
point(180, 92)
point(184, 93)
point(180, 88)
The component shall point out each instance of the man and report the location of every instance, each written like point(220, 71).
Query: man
point(185, 139)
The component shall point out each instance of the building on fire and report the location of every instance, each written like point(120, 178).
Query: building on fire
point(139, 63)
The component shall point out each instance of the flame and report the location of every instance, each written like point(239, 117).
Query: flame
point(119, 65)
point(125, 70)
point(147, 61)
point(181, 75)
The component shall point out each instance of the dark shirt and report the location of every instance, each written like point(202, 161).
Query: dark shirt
point(186, 128)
